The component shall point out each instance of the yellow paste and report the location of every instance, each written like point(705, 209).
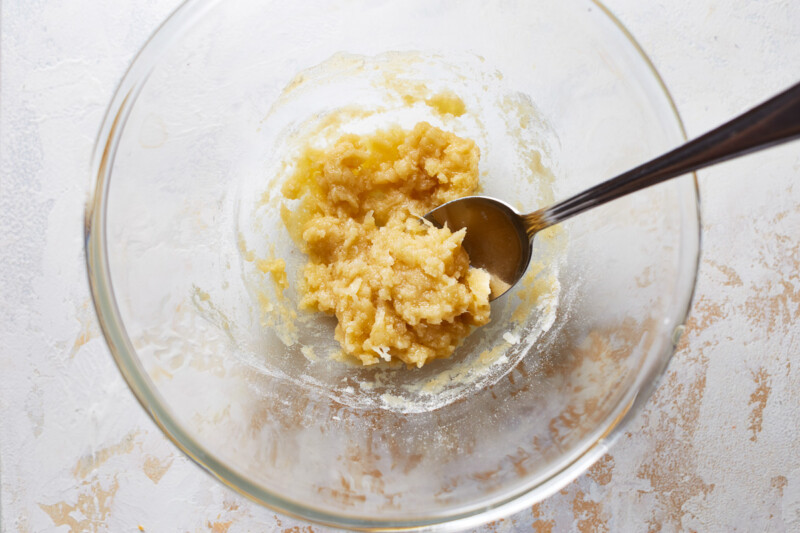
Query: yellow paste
point(447, 103)
point(400, 289)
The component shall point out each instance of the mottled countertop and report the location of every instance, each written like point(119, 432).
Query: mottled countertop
point(716, 449)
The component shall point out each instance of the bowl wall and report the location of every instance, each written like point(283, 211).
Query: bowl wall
point(189, 163)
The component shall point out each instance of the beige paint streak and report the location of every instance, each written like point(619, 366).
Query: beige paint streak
point(732, 278)
point(89, 513)
point(758, 401)
point(299, 529)
point(219, 526)
point(675, 416)
point(540, 524)
point(589, 514)
point(89, 329)
point(602, 471)
point(88, 463)
point(155, 468)
point(779, 483)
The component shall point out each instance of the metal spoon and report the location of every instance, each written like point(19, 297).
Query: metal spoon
point(499, 238)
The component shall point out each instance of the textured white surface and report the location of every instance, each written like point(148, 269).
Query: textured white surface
point(717, 448)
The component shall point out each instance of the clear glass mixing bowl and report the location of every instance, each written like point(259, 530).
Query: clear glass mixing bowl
point(202, 129)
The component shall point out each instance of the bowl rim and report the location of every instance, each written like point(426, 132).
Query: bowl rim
point(134, 374)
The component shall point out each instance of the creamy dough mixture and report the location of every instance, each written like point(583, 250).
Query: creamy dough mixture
point(400, 289)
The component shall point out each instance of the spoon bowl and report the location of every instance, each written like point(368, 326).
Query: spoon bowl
point(496, 238)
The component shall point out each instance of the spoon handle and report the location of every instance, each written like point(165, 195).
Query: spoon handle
point(775, 121)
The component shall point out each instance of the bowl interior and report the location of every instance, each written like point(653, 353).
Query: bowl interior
point(207, 121)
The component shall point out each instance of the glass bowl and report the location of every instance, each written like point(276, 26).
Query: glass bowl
point(186, 203)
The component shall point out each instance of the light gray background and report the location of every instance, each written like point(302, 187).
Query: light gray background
point(717, 448)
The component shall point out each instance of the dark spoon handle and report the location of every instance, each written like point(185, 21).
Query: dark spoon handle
point(775, 121)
